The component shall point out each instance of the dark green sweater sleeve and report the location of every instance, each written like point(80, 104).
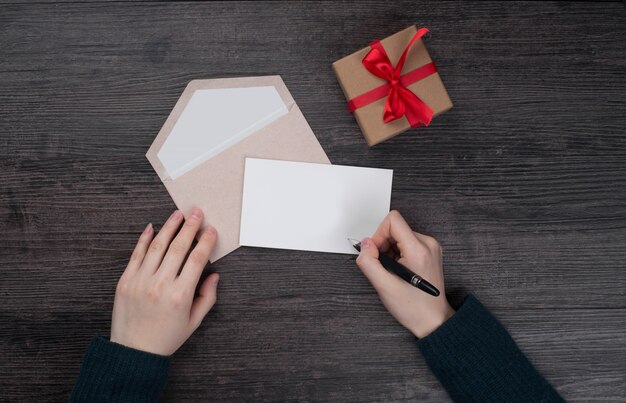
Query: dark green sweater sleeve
point(476, 360)
point(115, 373)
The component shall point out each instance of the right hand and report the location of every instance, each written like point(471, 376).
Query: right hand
point(416, 310)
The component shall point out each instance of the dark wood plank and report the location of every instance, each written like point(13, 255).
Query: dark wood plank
point(515, 250)
point(523, 182)
point(299, 346)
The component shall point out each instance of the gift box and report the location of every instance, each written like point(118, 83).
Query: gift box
point(392, 85)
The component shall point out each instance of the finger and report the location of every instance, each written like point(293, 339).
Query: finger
point(394, 231)
point(384, 244)
point(179, 247)
point(198, 258)
point(369, 264)
point(159, 244)
point(205, 301)
point(140, 250)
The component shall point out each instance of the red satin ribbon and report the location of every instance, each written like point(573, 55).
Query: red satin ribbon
point(400, 100)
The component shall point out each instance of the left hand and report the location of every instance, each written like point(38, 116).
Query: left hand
point(155, 309)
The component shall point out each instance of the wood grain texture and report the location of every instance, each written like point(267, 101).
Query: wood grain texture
point(523, 181)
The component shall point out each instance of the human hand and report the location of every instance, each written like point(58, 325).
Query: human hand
point(155, 309)
point(416, 310)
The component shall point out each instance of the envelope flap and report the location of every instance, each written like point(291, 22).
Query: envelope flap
point(212, 115)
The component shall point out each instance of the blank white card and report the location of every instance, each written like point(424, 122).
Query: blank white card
point(314, 207)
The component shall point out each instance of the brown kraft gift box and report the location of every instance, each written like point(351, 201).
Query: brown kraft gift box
point(355, 80)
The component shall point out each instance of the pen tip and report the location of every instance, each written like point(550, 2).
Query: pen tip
point(355, 244)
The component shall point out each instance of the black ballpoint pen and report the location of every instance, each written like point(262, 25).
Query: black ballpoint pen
point(407, 275)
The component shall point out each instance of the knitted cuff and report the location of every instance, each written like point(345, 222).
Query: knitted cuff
point(475, 359)
point(112, 372)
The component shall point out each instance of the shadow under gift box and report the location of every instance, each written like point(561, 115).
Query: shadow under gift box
point(355, 80)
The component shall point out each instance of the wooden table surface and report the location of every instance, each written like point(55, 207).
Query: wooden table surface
point(523, 182)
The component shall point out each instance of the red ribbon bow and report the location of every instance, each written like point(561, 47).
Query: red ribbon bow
point(400, 100)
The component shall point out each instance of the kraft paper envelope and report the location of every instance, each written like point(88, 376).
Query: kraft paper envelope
point(200, 152)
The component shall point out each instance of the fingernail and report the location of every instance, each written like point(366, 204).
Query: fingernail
point(211, 230)
point(148, 229)
point(176, 215)
point(366, 243)
point(215, 281)
point(196, 213)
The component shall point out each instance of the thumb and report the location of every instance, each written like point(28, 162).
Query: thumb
point(205, 301)
point(370, 265)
